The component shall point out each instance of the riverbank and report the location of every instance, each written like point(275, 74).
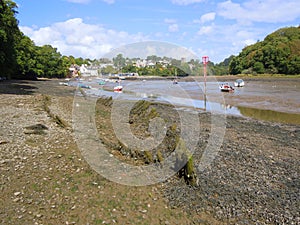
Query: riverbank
point(46, 180)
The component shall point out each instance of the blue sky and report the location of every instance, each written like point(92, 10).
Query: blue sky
point(92, 28)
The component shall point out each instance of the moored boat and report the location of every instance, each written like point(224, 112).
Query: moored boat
point(84, 86)
point(226, 87)
point(118, 88)
point(239, 83)
point(102, 82)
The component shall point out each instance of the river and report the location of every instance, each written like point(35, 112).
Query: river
point(276, 99)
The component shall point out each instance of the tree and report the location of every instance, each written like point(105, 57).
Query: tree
point(9, 31)
point(119, 62)
point(235, 66)
point(26, 59)
point(277, 53)
point(293, 65)
point(108, 70)
point(50, 62)
point(258, 67)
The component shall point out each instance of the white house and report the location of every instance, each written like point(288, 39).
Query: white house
point(86, 71)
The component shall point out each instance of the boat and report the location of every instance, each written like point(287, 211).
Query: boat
point(239, 83)
point(102, 82)
point(226, 88)
point(118, 88)
point(64, 83)
point(84, 86)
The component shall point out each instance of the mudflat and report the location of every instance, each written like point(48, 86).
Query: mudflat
point(253, 179)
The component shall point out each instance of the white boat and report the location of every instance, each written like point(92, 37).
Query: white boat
point(226, 87)
point(64, 83)
point(239, 83)
point(118, 88)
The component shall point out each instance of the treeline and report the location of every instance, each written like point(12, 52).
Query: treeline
point(20, 58)
point(278, 53)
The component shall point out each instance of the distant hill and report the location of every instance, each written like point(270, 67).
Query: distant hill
point(278, 53)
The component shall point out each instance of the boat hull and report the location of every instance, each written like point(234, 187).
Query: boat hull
point(226, 88)
point(239, 83)
point(118, 88)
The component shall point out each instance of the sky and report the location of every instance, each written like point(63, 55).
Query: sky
point(93, 28)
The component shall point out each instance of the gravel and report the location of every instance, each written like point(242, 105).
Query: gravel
point(253, 180)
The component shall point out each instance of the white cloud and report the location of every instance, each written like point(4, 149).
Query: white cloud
point(270, 11)
point(249, 42)
point(233, 38)
point(185, 2)
point(173, 28)
point(207, 17)
point(205, 30)
point(74, 37)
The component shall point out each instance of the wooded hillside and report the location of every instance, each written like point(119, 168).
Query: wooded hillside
point(278, 53)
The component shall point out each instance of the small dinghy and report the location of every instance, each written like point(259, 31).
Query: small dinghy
point(239, 83)
point(226, 88)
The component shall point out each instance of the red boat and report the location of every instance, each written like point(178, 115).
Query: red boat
point(118, 88)
point(226, 88)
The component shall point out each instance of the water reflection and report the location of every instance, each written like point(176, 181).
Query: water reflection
point(270, 115)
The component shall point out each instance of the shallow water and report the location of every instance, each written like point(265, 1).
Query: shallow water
point(276, 100)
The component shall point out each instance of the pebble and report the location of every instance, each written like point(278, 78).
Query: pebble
point(248, 179)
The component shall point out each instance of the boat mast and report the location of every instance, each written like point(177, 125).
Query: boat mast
point(205, 60)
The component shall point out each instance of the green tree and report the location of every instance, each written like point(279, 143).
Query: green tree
point(119, 62)
point(293, 66)
point(26, 58)
point(277, 53)
point(258, 67)
point(235, 66)
point(108, 69)
point(9, 31)
point(50, 62)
